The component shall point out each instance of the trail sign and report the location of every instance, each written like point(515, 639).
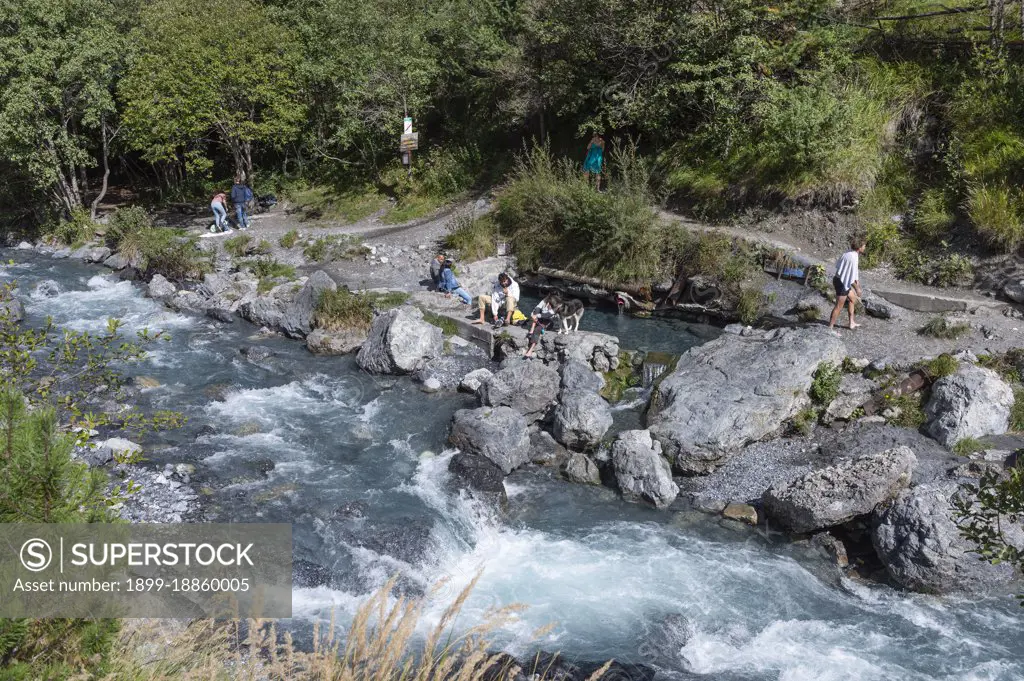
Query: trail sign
point(410, 141)
point(407, 126)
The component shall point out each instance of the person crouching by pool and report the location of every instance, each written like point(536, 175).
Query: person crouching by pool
point(540, 320)
point(449, 284)
point(505, 290)
point(847, 282)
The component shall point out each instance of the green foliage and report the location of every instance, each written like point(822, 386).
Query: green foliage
point(750, 305)
point(940, 327)
point(345, 205)
point(342, 310)
point(74, 230)
point(933, 216)
point(446, 324)
point(270, 272)
point(330, 248)
point(943, 365)
point(126, 232)
point(238, 246)
point(1009, 365)
point(620, 379)
point(984, 513)
point(1017, 411)
point(908, 409)
point(59, 63)
point(554, 217)
point(968, 445)
point(804, 420)
point(809, 316)
point(996, 214)
point(475, 238)
point(289, 239)
point(825, 384)
point(195, 78)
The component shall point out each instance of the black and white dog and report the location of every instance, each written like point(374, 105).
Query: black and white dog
point(570, 312)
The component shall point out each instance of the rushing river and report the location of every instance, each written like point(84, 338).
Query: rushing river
point(357, 465)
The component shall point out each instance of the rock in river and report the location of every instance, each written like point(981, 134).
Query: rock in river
point(735, 390)
point(527, 386)
point(499, 434)
point(839, 493)
point(581, 420)
point(922, 548)
point(641, 472)
point(400, 342)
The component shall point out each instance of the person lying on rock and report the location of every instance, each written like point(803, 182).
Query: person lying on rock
point(542, 317)
point(449, 284)
point(505, 290)
point(847, 282)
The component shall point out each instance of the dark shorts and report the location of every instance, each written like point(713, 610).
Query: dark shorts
point(841, 290)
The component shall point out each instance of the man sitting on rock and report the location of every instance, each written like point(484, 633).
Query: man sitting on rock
point(505, 290)
point(436, 266)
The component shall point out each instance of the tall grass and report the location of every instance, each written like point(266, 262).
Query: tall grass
point(995, 212)
point(554, 217)
point(381, 645)
point(475, 238)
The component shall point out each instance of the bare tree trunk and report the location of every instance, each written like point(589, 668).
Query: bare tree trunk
point(106, 170)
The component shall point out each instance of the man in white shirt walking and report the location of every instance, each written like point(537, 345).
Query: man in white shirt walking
point(847, 282)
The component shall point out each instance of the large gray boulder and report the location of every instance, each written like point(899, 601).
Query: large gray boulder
point(160, 288)
point(297, 320)
point(597, 350)
point(735, 390)
point(581, 420)
point(269, 309)
point(321, 342)
point(479, 477)
point(400, 342)
point(226, 293)
point(578, 376)
point(840, 492)
point(973, 402)
point(499, 434)
point(96, 254)
point(641, 472)
point(921, 546)
point(527, 386)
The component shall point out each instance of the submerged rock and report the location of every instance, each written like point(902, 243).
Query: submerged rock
point(973, 402)
point(256, 353)
point(641, 472)
point(47, 289)
point(400, 342)
point(840, 492)
point(499, 434)
point(735, 390)
point(922, 548)
point(527, 386)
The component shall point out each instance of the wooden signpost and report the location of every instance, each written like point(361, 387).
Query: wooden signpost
point(408, 143)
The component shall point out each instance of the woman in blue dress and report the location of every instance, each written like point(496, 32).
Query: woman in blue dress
point(595, 159)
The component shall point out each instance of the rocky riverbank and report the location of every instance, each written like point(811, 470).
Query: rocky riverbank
point(722, 430)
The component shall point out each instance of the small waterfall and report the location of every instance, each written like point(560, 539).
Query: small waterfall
point(652, 372)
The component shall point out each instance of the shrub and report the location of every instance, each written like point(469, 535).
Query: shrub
point(264, 247)
point(996, 215)
point(76, 230)
point(943, 365)
point(173, 255)
point(825, 384)
point(446, 324)
point(475, 238)
point(342, 310)
point(750, 305)
point(810, 315)
point(317, 250)
point(804, 421)
point(940, 327)
point(330, 248)
point(386, 300)
point(1017, 412)
point(238, 246)
point(289, 238)
point(968, 445)
point(554, 217)
point(909, 413)
point(932, 217)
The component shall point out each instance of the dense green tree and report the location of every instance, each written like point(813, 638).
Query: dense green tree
point(211, 73)
point(59, 62)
